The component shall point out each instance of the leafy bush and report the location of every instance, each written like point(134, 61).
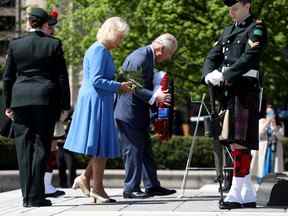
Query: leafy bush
point(1, 69)
point(8, 159)
point(172, 154)
point(6, 141)
point(168, 155)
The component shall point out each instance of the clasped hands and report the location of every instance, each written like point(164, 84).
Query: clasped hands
point(215, 78)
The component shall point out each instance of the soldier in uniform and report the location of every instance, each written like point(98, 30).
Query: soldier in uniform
point(36, 87)
point(232, 67)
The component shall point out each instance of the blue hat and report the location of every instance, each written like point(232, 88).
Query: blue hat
point(39, 13)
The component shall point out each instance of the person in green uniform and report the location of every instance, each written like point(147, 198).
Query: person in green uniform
point(36, 88)
point(232, 67)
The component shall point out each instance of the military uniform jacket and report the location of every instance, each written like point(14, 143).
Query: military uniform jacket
point(36, 73)
point(238, 50)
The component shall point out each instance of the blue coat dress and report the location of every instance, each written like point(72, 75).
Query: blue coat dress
point(92, 131)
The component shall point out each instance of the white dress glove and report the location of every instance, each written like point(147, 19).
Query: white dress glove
point(215, 78)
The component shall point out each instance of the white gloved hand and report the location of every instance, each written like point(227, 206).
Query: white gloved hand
point(215, 78)
point(207, 78)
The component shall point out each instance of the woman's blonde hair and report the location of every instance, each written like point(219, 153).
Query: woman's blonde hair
point(107, 33)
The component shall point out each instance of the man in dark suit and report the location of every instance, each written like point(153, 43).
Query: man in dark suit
point(36, 89)
point(232, 67)
point(133, 120)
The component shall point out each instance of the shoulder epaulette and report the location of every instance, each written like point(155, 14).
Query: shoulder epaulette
point(53, 37)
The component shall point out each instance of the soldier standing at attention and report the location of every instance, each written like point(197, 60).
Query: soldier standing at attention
point(36, 88)
point(232, 66)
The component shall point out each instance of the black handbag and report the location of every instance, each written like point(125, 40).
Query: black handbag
point(6, 127)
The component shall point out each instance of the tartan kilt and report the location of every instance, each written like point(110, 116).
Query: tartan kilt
point(242, 120)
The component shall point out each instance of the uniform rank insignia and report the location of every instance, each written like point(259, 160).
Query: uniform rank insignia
point(253, 44)
point(216, 43)
point(258, 32)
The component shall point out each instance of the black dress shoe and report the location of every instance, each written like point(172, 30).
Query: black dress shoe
point(40, 203)
point(135, 195)
point(159, 191)
point(57, 193)
point(249, 205)
point(229, 205)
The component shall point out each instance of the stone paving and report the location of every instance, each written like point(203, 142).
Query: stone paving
point(203, 201)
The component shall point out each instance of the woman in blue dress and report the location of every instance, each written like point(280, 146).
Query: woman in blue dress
point(92, 130)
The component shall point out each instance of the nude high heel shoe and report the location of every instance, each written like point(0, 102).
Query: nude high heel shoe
point(80, 183)
point(98, 199)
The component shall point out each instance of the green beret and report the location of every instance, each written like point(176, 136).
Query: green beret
point(230, 3)
point(39, 13)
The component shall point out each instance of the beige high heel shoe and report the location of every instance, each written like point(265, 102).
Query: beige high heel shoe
point(80, 183)
point(98, 199)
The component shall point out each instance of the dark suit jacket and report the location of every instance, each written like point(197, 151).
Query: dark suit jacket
point(134, 108)
point(36, 73)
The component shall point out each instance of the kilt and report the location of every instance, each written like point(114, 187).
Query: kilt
point(243, 119)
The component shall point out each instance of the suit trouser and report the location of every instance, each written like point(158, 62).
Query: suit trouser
point(138, 158)
point(33, 127)
point(66, 160)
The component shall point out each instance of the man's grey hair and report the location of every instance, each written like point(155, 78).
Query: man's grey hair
point(168, 41)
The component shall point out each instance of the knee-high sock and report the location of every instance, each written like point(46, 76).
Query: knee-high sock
point(49, 188)
point(234, 194)
point(241, 166)
point(248, 192)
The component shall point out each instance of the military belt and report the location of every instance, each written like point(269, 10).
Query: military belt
point(33, 72)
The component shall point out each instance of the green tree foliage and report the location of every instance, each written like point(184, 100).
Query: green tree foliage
point(196, 24)
point(1, 69)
